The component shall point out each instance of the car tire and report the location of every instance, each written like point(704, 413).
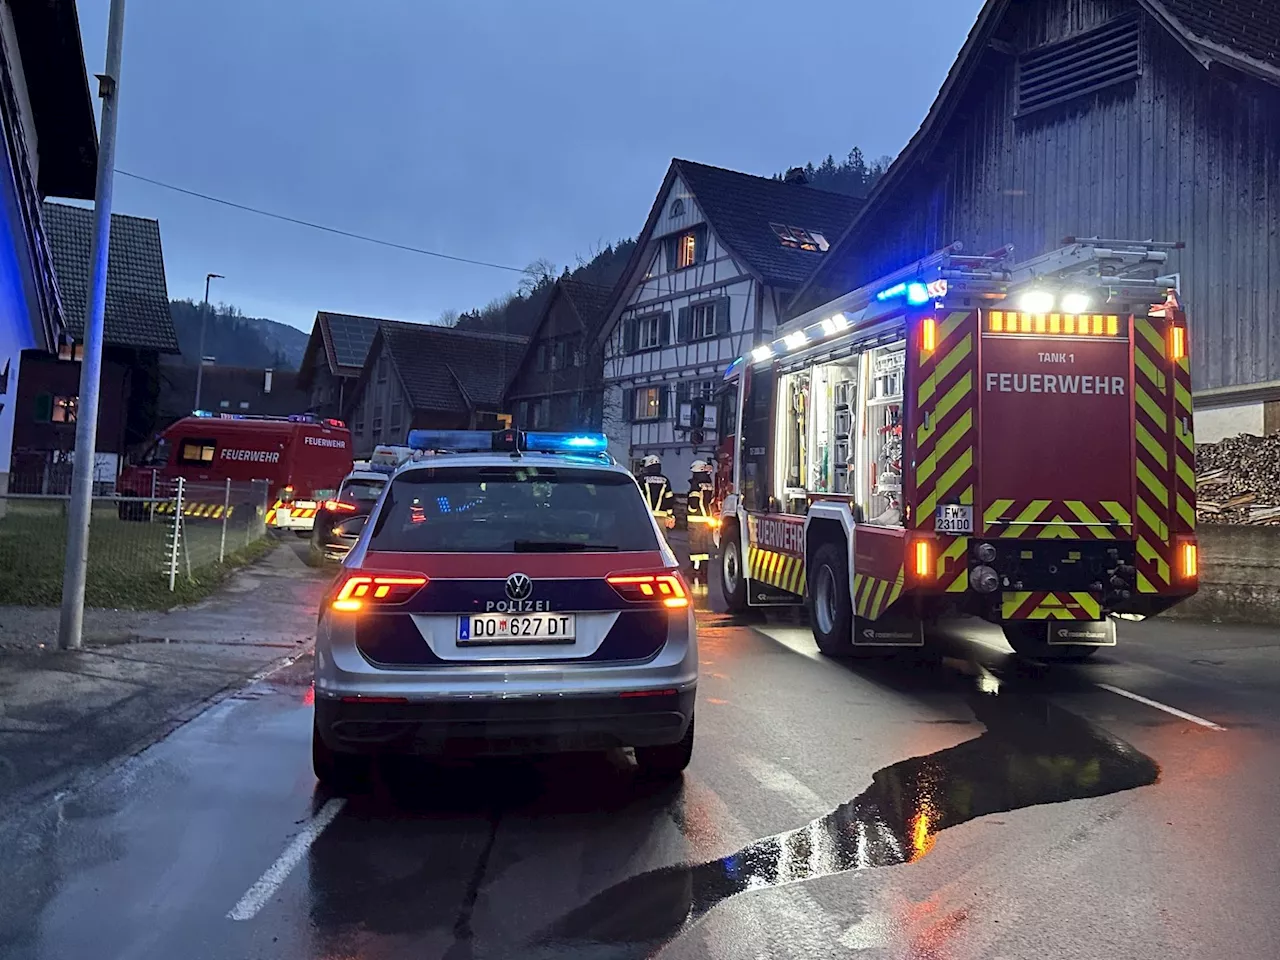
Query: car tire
point(339, 772)
point(1028, 640)
point(733, 571)
point(829, 602)
point(668, 761)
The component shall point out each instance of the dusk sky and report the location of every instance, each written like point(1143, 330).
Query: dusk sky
point(500, 130)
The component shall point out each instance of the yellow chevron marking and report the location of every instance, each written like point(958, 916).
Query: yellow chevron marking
point(955, 549)
point(1152, 409)
point(1085, 515)
point(1148, 332)
point(1186, 513)
point(1149, 517)
point(857, 586)
point(1011, 602)
point(1057, 529)
point(1153, 373)
point(954, 435)
point(1089, 604)
point(1145, 585)
point(961, 583)
point(995, 511)
point(958, 353)
point(1118, 513)
point(1028, 516)
point(1182, 395)
point(947, 481)
point(895, 591)
point(877, 605)
point(1185, 473)
point(1158, 489)
point(1149, 444)
point(1149, 553)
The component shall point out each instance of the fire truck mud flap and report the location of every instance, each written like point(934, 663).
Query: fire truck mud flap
point(887, 633)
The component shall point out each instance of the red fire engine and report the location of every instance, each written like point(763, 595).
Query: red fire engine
point(971, 436)
point(303, 458)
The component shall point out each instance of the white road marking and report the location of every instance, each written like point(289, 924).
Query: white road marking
point(775, 779)
point(256, 897)
point(1162, 706)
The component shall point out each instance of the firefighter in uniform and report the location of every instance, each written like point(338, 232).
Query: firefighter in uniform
point(702, 487)
point(657, 491)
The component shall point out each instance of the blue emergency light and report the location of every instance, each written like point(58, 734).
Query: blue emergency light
point(513, 441)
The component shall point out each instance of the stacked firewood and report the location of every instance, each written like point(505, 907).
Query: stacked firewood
point(1238, 480)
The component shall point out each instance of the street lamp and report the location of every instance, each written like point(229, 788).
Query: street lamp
point(204, 323)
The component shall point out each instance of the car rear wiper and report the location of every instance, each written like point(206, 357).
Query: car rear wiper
point(556, 546)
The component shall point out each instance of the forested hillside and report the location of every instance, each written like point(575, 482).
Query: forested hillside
point(236, 340)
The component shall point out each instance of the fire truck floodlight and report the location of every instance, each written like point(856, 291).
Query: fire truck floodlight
point(834, 324)
point(917, 294)
point(1075, 303)
point(762, 353)
point(1036, 301)
point(795, 341)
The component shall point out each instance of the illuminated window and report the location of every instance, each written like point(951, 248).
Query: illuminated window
point(686, 250)
point(64, 409)
point(196, 452)
point(648, 403)
point(702, 321)
point(800, 239)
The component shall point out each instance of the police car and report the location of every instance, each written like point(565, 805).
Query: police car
point(511, 594)
point(340, 519)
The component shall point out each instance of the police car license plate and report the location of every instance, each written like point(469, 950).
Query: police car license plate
point(517, 628)
point(953, 518)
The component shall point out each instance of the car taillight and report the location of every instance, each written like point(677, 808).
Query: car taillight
point(650, 588)
point(360, 590)
point(339, 506)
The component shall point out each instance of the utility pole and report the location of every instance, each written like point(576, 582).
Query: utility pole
point(71, 618)
point(204, 323)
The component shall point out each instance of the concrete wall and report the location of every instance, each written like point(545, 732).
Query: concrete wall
point(1239, 576)
point(1218, 423)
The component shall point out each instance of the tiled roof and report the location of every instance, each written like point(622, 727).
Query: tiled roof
point(137, 310)
point(442, 368)
point(590, 300)
point(1248, 27)
point(740, 208)
point(347, 339)
point(233, 386)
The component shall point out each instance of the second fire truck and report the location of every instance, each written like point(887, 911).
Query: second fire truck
point(976, 436)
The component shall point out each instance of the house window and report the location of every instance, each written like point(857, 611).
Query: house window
point(196, 453)
point(542, 357)
point(377, 421)
point(677, 208)
point(649, 331)
point(382, 369)
point(686, 250)
point(63, 409)
point(397, 415)
point(224, 404)
point(800, 239)
point(244, 404)
point(648, 403)
point(560, 355)
point(522, 413)
point(703, 321)
point(358, 426)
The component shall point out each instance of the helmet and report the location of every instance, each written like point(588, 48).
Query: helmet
point(652, 460)
point(699, 466)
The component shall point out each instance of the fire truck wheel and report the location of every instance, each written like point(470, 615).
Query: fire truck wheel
point(1030, 640)
point(830, 606)
point(733, 573)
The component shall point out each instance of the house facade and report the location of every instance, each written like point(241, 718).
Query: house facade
point(1129, 119)
point(48, 147)
point(138, 330)
point(335, 355)
point(254, 391)
point(420, 376)
point(719, 256)
point(558, 384)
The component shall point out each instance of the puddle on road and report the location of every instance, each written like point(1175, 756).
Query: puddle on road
point(1031, 753)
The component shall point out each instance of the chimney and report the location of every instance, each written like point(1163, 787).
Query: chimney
point(266, 381)
point(796, 175)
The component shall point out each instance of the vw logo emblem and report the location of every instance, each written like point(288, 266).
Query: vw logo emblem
point(519, 586)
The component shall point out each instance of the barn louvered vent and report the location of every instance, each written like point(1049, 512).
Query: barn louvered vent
point(1093, 61)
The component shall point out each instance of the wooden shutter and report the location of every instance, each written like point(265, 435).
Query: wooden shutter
point(669, 251)
point(664, 403)
point(1080, 66)
point(665, 335)
point(722, 316)
point(684, 320)
point(700, 244)
point(44, 408)
point(630, 336)
point(628, 405)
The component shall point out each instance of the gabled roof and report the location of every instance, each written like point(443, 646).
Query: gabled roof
point(343, 339)
point(1244, 34)
point(137, 309)
point(590, 300)
point(447, 370)
point(1241, 33)
point(740, 208)
point(234, 386)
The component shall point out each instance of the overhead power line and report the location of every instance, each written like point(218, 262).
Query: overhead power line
point(317, 226)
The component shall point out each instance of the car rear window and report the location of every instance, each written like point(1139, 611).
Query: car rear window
point(504, 509)
point(361, 491)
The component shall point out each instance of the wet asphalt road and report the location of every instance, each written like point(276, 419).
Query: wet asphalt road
point(958, 805)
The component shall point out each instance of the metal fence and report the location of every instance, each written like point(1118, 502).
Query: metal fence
point(142, 550)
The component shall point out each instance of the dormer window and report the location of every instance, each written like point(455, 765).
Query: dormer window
point(677, 208)
point(800, 239)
